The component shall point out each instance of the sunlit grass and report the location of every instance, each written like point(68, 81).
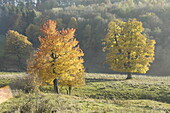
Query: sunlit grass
point(103, 93)
point(71, 104)
point(13, 75)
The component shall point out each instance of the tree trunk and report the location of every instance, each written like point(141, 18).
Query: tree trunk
point(69, 90)
point(55, 81)
point(129, 75)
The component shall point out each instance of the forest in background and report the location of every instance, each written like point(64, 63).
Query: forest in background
point(90, 18)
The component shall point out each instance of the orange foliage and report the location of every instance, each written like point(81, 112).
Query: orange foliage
point(58, 57)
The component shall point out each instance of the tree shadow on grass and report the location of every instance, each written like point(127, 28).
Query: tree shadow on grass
point(88, 80)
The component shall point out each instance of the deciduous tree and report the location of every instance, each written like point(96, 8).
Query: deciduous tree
point(18, 45)
point(128, 50)
point(58, 58)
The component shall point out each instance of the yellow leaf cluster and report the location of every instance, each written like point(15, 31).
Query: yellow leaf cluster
point(58, 57)
point(128, 49)
point(17, 43)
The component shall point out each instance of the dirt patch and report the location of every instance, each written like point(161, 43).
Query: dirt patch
point(5, 94)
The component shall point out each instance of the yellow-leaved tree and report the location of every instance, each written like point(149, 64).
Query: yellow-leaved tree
point(58, 58)
point(19, 46)
point(128, 50)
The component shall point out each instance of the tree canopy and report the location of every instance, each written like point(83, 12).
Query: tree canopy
point(58, 57)
point(90, 18)
point(128, 49)
point(18, 45)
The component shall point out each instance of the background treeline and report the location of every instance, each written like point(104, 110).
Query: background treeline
point(90, 18)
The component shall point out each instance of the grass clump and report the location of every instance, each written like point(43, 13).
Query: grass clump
point(5, 82)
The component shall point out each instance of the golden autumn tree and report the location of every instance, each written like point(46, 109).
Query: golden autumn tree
point(18, 45)
point(128, 50)
point(58, 58)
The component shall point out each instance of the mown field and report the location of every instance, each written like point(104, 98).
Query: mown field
point(103, 93)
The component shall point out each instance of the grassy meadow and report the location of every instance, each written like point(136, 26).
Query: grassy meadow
point(103, 93)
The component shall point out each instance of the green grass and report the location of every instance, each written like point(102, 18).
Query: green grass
point(39, 103)
point(12, 75)
point(4, 82)
point(103, 93)
point(108, 86)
